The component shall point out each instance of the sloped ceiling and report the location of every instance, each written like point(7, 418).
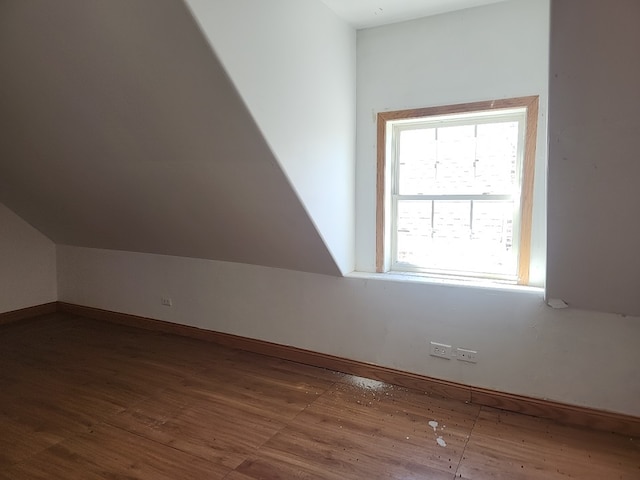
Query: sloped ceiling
point(121, 130)
point(293, 62)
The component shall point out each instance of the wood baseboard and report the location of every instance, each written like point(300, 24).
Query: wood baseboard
point(560, 412)
point(29, 312)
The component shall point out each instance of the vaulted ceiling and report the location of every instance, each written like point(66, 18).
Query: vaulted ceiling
point(122, 130)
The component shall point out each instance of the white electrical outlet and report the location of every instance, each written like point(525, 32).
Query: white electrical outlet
point(166, 301)
point(440, 350)
point(465, 355)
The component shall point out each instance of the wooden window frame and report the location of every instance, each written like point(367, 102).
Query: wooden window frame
point(530, 103)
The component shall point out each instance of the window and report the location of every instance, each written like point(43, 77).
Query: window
point(455, 187)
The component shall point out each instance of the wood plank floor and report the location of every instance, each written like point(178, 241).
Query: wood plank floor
point(82, 399)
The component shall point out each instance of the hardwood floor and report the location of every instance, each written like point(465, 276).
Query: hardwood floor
point(83, 399)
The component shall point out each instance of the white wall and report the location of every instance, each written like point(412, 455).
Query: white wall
point(525, 347)
point(484, 53)
point(594, 164)
point(27, 264)
point(293, 63)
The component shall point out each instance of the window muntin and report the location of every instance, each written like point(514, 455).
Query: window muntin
point(454, 196)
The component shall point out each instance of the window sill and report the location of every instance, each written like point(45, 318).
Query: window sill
point(412, 277)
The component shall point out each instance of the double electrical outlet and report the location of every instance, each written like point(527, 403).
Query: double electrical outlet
point(446, 351)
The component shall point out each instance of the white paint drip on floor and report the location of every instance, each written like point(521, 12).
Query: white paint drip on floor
point(367, 383)
point(439, 440)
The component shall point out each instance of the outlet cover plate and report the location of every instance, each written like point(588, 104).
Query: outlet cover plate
point(440, 350)
point(465, 355)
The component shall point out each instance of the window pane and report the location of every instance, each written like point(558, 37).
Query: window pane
point(493, 223)
point(456, 155)
point(469, 237)
point(413, 229)
point(452, 220)
point(459, 160)
point(417, 161)
point(496, 157)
